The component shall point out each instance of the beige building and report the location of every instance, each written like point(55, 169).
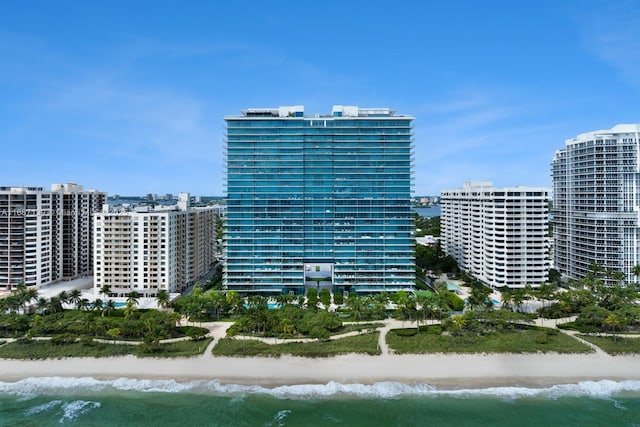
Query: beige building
point(46, 236)
point(152, 249)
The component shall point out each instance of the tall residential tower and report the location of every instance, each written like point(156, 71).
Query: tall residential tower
point(151, 249)
point(46, 236)
point(498, 235)
point(596, 202)
point(319, 201)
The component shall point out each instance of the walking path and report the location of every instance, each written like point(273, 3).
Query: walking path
point(218, 330)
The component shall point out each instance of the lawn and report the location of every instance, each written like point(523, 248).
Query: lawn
point(528, 340)
point(616, 346)
point(237, 347)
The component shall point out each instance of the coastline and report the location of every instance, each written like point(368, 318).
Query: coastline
point(444, 371)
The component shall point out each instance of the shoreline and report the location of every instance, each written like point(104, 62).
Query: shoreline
point(444, 371)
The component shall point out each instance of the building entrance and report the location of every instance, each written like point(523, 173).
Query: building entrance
point(318, 275)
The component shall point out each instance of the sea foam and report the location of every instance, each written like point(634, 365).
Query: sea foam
point(73, 410)
point(31, 387)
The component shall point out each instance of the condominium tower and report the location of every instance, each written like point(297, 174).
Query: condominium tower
point(319, 201)
point(497, 235)
point(596, 202)
point(151, 249)
point(46, 236)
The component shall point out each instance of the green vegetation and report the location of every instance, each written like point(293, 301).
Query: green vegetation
point(599, 307)
point(55, 349)
point(522, 339)
point(236, 347)
point(287, 322)
point(614, 345)
point(68, 345)
point(435, 260)
point(135, 325)
point(186, 348)
point(426, 225)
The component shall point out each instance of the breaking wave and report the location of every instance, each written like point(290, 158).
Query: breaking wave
point(31, 387)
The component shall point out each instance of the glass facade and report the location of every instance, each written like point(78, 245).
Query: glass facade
point(319, 201)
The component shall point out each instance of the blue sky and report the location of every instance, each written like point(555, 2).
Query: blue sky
point(129, 96)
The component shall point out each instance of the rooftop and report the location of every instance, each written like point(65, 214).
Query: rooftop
point(337, 111)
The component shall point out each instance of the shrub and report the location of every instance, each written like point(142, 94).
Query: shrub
point(338, 298)
point(325, 297)
point(61, 339)
point(435, 330)
point(196, 333)
point(405, 332)
point(454, 302)
point(86, 341)
point(319, 332)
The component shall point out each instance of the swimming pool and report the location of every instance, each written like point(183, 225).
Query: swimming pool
point(452, 286)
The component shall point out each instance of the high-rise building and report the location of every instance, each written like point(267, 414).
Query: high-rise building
point(498, 235)
point(150, 249)
point(319, 201)
point(46, 236)
point(596, 187)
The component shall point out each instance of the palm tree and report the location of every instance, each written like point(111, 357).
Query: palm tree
point(507, 298)
point(63, 297)
point(596, 269)
point(518, 298)
point(129, 309)
point(14, 302)
point(114, 333)
point(75, 297)
point(105, 290)
point(618, 277)
point(175, 318)
point(163, 298)
point(55, 305)
point(613, 321)
point(546, 292)
point(234, 301)
point(133, 297)
point(82, 304)
point(356, 306)
point(110, 306)
point(28, 295)
point(98, 305)
point(42, 304)
point(636, 271)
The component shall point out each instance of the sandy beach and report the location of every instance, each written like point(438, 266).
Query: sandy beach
point(442, 370)
point(448, 371)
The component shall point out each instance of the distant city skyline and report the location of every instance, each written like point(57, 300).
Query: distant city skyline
point(129, 98)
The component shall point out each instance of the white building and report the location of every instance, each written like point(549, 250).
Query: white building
point(596, 202)
point(152, 249)
point(46, 236)
point(497, 235)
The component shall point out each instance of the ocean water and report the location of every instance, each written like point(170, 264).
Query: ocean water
point(125, 402)
point(429, 212)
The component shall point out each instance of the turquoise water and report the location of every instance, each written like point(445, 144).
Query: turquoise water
point(123, 402)
point(452, 286)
